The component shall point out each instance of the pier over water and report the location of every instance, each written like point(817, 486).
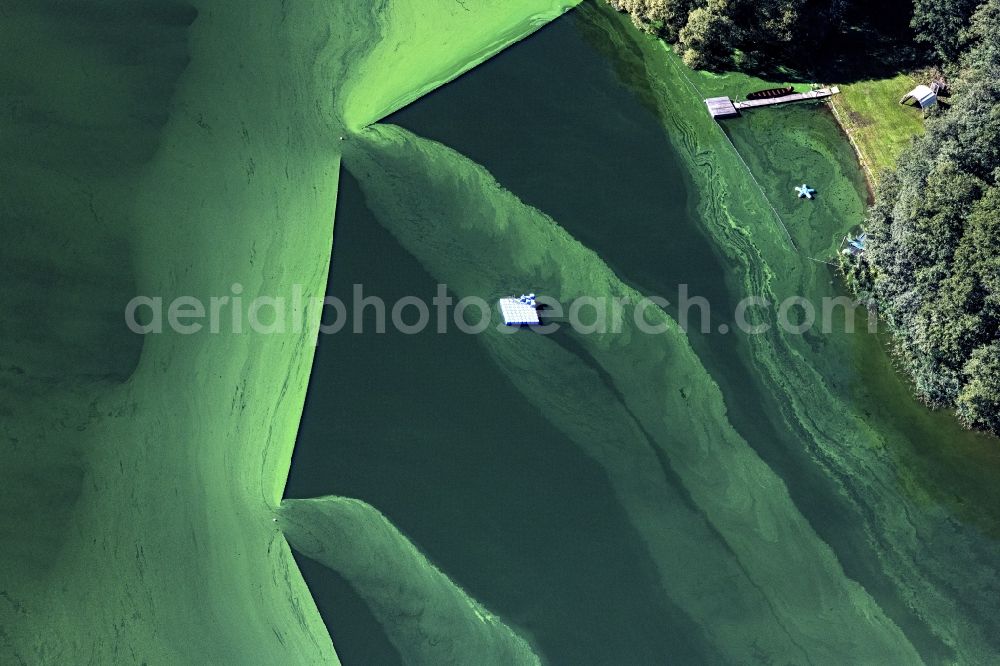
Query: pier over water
point(724, 107)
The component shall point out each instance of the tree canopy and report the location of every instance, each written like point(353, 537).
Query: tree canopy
point(933, 263)
point(753, 34)
point(941, 25)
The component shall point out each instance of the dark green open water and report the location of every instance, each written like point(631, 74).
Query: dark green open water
point(428, 430)
point(425, 428)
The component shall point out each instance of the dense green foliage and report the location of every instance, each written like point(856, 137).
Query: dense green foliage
point(933, 264)
point(756, 34)
point(663, 17)
point(941, 25)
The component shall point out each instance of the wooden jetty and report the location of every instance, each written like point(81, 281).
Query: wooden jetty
point(723, 107)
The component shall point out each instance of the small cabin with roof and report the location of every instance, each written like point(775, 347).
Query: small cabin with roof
point(922, 96)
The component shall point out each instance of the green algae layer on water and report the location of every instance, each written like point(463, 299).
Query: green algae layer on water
point(438, 39)
point(428, 196)
point(921, 490)
point(770, 499)
point(475, 475)
point(428, 617)
point(140, 473)
point(764, 476)
point(168, 150)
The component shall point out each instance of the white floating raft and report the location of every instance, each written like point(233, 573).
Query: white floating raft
point(521, 311)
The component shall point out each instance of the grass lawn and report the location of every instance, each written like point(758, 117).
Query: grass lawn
point(879, 126)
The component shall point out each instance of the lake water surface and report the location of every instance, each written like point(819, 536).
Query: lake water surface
point(429, 430)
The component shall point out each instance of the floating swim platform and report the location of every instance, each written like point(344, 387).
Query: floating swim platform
point(721, 107)
point(521, 311)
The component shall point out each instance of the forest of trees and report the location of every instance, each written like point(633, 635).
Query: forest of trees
point(760, 34)
point(933, 265)
point(709, 33)
point(933, 259)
